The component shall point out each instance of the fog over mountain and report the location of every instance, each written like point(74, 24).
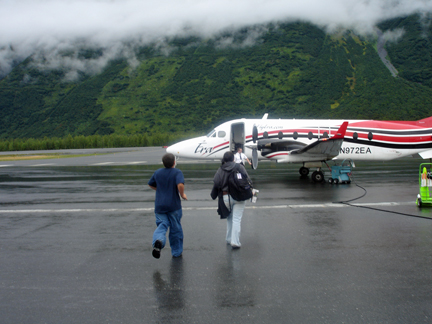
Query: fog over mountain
point(49, 29)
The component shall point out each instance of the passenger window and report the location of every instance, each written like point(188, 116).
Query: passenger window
point(310, 135)
point(295, 135)
point(355, 136)
point(280, 135)
point(221, 134)
point(370, 136)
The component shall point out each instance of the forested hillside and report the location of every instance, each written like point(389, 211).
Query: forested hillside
point(294, 70)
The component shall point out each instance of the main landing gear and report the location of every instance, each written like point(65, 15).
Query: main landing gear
point(317, 176)
point(304, 171)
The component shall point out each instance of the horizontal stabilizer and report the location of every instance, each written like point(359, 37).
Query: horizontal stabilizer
point(426, 154)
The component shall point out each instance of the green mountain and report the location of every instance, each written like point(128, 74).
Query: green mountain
point(295, 70)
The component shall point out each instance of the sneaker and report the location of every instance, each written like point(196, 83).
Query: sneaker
point(157, 247)
point(235, 247)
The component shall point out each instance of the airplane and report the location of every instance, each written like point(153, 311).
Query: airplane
point(311, 142)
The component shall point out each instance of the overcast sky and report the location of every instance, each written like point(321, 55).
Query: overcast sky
point(48, 27)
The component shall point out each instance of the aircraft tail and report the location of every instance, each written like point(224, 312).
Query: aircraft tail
point(341, 131)
point(426, 122)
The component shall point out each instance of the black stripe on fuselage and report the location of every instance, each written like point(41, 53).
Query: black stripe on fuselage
point(405, 132)
point(390, 145)
point(372, 143)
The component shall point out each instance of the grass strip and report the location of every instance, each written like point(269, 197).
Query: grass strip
point(19, 157)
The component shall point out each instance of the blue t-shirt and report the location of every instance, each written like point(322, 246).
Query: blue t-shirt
point(167, 194)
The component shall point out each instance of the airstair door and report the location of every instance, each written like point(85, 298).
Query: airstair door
point(237, 138)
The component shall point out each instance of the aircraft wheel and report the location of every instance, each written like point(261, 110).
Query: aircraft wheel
point(336, 181)
point(317, 176)
point(304, 171)
point(330, 180)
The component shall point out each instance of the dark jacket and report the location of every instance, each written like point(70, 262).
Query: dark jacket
point(220, 180)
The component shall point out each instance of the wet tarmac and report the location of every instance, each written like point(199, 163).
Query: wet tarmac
point(75, 246)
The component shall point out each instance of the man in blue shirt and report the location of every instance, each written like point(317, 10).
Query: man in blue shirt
point(169, 185)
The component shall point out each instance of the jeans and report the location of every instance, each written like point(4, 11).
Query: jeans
point(170, 220)
point(234, 220)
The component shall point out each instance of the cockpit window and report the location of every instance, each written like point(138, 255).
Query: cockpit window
point(221, 134)
point(212, 133)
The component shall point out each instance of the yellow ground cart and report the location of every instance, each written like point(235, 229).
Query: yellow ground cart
point(425, 181)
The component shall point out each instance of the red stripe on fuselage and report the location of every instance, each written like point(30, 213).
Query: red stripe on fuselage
point(272, 156)
point(394, 139)
point(217, 146)
point(393, 125)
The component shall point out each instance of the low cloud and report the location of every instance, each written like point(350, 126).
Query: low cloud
point(55, 31)
point(393, 35)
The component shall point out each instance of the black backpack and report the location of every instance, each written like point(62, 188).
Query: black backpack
point(239, 186)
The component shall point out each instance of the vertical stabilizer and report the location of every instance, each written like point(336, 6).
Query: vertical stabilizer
point(426, 122)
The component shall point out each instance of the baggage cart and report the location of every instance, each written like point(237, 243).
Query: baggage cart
point(425, 181)
point(342, 173)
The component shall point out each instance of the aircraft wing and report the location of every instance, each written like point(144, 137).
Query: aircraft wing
point(328, 148)
point(293, 151)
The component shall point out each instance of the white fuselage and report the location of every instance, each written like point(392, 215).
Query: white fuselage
point(364, 139)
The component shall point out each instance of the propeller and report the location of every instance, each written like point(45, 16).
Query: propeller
point(254, 158)
point(254, 134)
point(254, 150)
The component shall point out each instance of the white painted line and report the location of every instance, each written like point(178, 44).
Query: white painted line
point(385, 204)
point(45, 164)
point(5, 165)
point(77, 210)
point(103, 163)
point(332, 205)
point(138, 162)
point(91, 210)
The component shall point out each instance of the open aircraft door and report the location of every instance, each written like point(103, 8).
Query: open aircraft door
point(237, 137)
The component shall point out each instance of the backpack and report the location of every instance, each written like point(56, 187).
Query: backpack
point(239, 187)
